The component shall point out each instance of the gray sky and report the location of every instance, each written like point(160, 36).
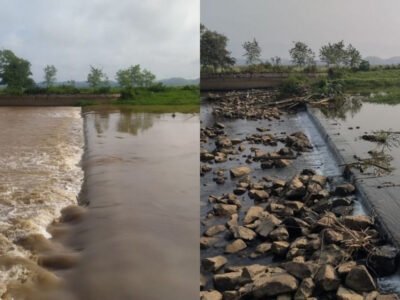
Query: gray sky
point(372, 26)
point(160, 35)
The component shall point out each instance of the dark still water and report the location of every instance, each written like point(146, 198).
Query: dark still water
point(139, 237)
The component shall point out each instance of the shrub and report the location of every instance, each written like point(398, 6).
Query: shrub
point(294, 85)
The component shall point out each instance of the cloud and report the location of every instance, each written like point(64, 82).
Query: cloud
point(160, 35)
point(370, 25)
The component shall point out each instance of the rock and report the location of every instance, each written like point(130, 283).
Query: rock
point(387, 297)
point(253, 214)
point(384, 260)
point(213, 264)
point(241, 232)
point(280, 248)
point(273, 285)
point(282, 163)
point(228, 281)
point(360, 280)
point(235, 246)
point(347, 294)
point(231, 295)
point(225, 209)
point(259, 195)
point(344, 189)
point(344, 268)
point(240, 171)
point(223, 142)
point(321, 180)
point(332, 236)
point(233, 221)
point(296, 227)
point(279, 234)
point(219, 125)
point(331, 254)
point(284, 297)
point(263, 248)
point(326, 279)
point(207, 242)
point(300, 270)
point(360, 222)
point(266, 224)
point(214, 230)
point(295, 189)
point(211, 295)
point(251, 272)
point(305, 289)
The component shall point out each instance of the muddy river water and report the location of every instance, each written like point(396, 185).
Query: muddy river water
point(140, 193)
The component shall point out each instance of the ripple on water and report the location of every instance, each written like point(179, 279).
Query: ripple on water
point(40, 174)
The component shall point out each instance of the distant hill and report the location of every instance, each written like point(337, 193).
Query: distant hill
point(375, 60)
point(178, 81)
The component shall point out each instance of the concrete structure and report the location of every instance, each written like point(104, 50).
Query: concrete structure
point(226, 82)
point(382, 203)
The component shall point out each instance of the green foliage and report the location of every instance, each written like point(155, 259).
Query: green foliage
point(294, 85)
point(253, 52)
point(213, 52)
point(338, 54)
point(170, 96)
point(50, 73)
point(328, 88)
point(353, 57)
point(135, 77)
point(364, 65)
point(302, 55)
point(15, 72)
point(97, 78)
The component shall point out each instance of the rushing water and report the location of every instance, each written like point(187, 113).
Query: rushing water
point(41, 149)
point(139, 237)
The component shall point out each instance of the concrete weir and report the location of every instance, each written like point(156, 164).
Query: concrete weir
point(381, 203)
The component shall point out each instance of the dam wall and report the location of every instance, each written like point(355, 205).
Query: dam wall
point(56, 100)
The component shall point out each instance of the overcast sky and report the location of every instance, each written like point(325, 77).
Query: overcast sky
point(372, 26)
point(160, 35)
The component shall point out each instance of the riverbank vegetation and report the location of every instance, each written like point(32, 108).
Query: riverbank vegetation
point(133, 85)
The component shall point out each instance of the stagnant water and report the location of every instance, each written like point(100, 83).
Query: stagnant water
point(40, 152)
point(354, 119)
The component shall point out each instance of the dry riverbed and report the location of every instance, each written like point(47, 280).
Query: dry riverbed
point(275, 226)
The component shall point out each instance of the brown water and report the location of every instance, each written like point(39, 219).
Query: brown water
point(139, 237)
point(39, 175)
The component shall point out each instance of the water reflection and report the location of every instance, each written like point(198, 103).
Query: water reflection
point(341, 108)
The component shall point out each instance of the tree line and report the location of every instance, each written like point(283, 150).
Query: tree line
point(214, 54)
point(15, 73)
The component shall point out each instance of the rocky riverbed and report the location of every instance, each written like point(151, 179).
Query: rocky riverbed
point(275, 223)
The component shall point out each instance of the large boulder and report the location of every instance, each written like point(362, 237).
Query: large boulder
point(228, 281)
point(305, 289)
point(300, 270)
point(347, 294)
point(240, 171)
point(253, 214)
point(345, 189)
point(241, 232)
point(210, 295)
point(273, 285)
point(213, 264)
point(360, 280)
point(359, 222)
point(235, 246)
point(326, 279)
point(384, 260)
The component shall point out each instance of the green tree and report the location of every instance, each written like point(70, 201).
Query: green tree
point(135, 77)
point(50, 73)
point(213, 52)
point(302, 55)
point(253, 52)
point(364, 65)
point(353, 57)
point(276, 62)
point(148, 78)
point(333, 54)
point(15, 72)
point(97, 78)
